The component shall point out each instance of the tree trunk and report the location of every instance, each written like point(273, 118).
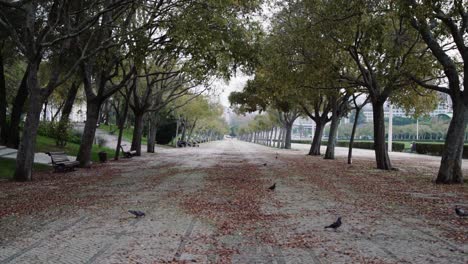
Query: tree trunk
point(191, 129)
point(152, 134)
point(87, 140)
point(25, 156)
point(381, 153)
point(121, 124)
point(17, 111)
point(450, 170)
point(330, 152)
point(353, 133)
point(278, 140)
point(44, 116)
point(137, 133)
point(317, 140)
point(67, 108)
point(3, 103)
point(287, 140)
point(274, 137)
point(184, 130)
point(69, 101)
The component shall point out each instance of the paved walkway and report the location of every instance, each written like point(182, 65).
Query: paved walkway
point(211, 205)
point(10, 153)
point(367, 153)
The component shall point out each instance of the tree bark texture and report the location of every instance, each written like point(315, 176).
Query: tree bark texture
point(25, 156)
point(353, 133)
point(450, 170)
point(317, 140)
point(87, 139)
point(381, 153)
point(3, 102)
point(330, 152)
point(137, 133)
point(12, 140)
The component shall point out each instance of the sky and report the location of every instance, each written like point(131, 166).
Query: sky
point(224, 89)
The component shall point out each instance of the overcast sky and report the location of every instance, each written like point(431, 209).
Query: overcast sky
point(235, 84)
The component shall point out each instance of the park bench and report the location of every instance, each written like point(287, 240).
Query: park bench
point(61, 162)
point(128, 154)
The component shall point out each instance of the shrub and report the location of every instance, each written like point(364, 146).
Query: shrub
point(61, 132)
point(297, 141)
point(45, 128)
point(396, 146)
point(75, 136)
point(436, 149)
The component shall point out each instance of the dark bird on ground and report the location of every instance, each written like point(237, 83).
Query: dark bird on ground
point(276, 156)
point(460, 212)
point(335, 225)
point(264, 164)
point(272, 188)
point(137, 213)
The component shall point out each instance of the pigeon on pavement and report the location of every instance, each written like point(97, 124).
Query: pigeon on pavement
point(335, 225)
point(264, 164)
point(460, 212)
point(137, 213)
point(272, 188)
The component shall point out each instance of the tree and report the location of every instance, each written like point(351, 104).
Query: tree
point(41, 30)
point(377, 40)
point(443, 27)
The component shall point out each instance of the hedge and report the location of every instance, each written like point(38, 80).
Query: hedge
point(396, 146)
point(436, 149)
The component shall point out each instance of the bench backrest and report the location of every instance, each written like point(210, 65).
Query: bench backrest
point(58, 157)
point(123, 150)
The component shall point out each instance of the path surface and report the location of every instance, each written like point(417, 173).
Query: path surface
point(211, 205)
point(40, 158)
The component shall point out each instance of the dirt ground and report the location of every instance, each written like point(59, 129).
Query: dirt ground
point(212, 205)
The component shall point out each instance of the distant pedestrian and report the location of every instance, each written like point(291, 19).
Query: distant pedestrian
point(413, 147)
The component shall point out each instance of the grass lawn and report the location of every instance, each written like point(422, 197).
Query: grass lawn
point(46, 144)
point(127, 132)
point(7, 168)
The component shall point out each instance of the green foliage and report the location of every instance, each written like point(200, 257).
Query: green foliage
point(61, 132)
point(7, 168)
point(46, 144)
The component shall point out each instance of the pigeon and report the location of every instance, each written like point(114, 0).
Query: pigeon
point(460, 212)
point(335, 225)
point(272, 188)
point(264, 164)
point(276, 157)
point(136, 213)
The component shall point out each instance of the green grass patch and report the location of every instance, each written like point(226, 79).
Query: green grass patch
point(127, 132)
point(7, 168)
point(46, 144)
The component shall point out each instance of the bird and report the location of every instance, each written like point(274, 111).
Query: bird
point(264, 164)
point(335, 225)
point(460, 212)
point(272, 188)
point(137, 213)
point(276, 157)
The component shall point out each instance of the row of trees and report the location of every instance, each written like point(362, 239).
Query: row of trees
point(321, 55)
point(138, 55)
